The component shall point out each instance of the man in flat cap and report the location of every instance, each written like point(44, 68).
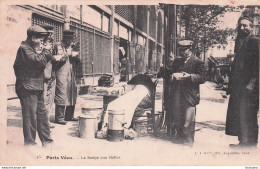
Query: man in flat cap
point(66, 91)
point(185, 75)
point(49, 74)
point(244, 87)
point(29, 65)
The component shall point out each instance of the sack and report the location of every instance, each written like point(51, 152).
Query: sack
point(48, 71)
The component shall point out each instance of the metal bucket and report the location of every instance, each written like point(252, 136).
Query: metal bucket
point(116, 121)
point(93, 111)
point(87, 126)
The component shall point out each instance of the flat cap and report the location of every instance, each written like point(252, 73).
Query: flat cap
point(68, 33)
point(36, 30)
point(185, 43)
point(48, 28)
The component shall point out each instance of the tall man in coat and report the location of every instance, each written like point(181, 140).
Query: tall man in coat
point(29, 66)
point(185, 75)
point(244, 87)
point(66, 91)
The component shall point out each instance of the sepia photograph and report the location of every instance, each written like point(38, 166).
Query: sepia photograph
point(118, 83)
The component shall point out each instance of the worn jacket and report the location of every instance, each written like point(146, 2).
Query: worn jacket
point(29, 67)
point(190, 86)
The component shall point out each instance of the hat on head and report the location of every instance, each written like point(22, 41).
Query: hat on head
point(68, 33)
point(32, 30)
point(246, 18)
point(185, 43)
point(48, 28)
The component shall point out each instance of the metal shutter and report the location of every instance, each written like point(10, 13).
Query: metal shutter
point(58, 26)
point(125, 11)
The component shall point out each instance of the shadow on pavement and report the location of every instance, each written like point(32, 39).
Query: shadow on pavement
point(214, 125)
point(15, 123)
point(14, 109)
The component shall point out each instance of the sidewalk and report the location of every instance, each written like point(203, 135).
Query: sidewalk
point(210, 147)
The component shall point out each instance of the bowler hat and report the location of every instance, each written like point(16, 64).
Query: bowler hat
point(32, 30)
point(68, 33)
point(185, 43)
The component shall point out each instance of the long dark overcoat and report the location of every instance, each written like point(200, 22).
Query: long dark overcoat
point(243, 106)
point(187, 89)
point(66, 91)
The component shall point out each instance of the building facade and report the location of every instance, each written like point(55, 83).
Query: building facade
point(112, 39)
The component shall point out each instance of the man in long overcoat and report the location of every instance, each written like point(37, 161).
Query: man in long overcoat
point(244, 87)
point(185, 75)
point(66, 91)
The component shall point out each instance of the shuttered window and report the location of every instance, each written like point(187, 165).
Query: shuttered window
point(95, 48)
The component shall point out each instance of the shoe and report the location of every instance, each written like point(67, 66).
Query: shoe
point(62, 122)
point(188, 142)
point(52, 126)
point(47, 144)
point(177, 140)
point(72, 119)
point(242, 145)
point(30, 144)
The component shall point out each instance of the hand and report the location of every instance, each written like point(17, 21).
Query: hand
point(181, 76)
point(250, 87)
point(57, 57)
point(48, 46)
point(69, 51)
point(185, 75)
point(74, 53)
point(177, 76)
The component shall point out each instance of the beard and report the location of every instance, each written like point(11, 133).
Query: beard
point(244, 33)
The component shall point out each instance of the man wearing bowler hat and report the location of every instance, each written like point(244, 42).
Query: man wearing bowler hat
point(185, 75)
point(66, 91)
point(29, 65)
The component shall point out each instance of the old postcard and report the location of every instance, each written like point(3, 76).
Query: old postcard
point(129, 83)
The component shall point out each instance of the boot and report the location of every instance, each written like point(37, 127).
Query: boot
point(189, 133)
point(69, 114)
point(59, 114)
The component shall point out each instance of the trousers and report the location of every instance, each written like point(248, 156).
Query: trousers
point(49, 94)
point(34, 116)
point(181, 119)
point(63, 112)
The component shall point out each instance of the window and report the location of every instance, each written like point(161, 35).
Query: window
point(141, 40)
point(123, 32)
point(91, 16)
point(115, 28)
point(105, 23)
